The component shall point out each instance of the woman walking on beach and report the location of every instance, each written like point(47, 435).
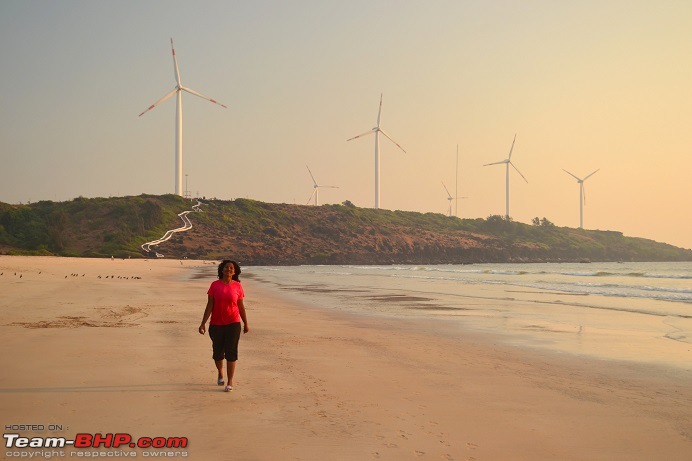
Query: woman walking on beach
point(226, 309)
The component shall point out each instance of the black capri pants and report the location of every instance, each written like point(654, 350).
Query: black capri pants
point(224, 341)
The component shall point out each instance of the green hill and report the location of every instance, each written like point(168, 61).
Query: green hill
point(258, 233)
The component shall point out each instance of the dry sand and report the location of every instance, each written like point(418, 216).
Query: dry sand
point(122, 354)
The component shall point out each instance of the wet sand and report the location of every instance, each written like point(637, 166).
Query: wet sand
point(122, 354)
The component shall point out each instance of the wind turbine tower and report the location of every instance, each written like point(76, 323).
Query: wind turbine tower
point(508, 162)
point(178, 92)
point(316, 188)
point(377, 130)
point(456, 191)
point(582, 196)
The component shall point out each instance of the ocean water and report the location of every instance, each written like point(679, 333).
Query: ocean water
point(639, 312)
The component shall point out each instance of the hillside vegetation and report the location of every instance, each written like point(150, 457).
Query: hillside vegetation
point(258, 233)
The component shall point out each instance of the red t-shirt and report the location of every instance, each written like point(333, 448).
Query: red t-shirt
point(226, 298)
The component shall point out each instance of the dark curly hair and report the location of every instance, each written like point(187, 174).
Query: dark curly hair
point(235, 265)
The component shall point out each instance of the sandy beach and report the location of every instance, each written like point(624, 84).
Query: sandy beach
point(111, 346)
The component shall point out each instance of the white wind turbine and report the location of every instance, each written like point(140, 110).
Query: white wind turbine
point(450, 199)
point(316, 188)
point(508, 162)
point(178, 91)
point(377, 130)
point(582, 195)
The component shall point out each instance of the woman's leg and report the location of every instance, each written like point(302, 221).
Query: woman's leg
point(219, 369)
point(232, 351)
point(230, 369)
point(217, 342)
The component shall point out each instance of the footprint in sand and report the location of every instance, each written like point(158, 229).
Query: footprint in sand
point(471, 446)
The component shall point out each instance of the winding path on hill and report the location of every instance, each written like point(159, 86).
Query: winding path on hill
point(187, 225)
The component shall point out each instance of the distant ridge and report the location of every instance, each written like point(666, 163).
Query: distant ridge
point(258, 233)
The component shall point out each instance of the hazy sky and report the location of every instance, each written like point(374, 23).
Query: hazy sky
point(583, 84)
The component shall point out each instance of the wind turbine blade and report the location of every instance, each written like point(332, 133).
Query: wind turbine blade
point(519, 172)
point(495, 163)
point(313, 178)
point(446, 190)
point(512, 148)
point(314, 191)
point(202, 96)
point(571, 174)
point(397, 144)
point(592, 174)
point(331, 187)
point(160, 101)
point(363, 134)
point(175, 65)
point(583, 193)
point(379, 112)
